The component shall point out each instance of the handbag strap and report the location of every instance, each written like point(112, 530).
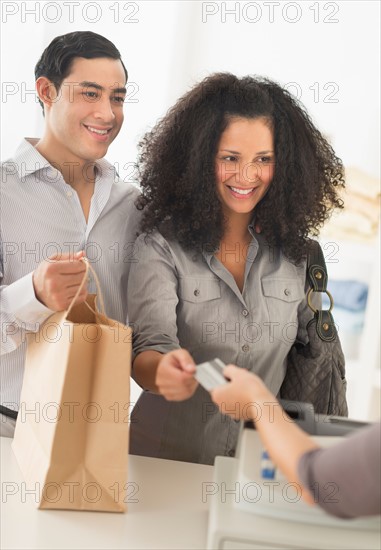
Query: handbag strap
point(318, 278)
point(8, 412)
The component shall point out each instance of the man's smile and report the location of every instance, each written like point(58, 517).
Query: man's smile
point(98, 132)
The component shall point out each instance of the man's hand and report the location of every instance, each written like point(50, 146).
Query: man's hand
point(174, 375)
point(57, 279)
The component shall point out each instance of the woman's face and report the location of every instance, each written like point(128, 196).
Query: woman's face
point(244, 164)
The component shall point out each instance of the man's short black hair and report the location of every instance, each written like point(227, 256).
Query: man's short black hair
point(56, 60)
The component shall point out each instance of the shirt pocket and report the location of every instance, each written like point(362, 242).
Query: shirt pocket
point(198, 311)
point(283, 297)
point(197, 290)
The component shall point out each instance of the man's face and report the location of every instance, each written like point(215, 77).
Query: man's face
point(87, 112)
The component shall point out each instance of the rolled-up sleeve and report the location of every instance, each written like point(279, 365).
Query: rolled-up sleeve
point(152, 296)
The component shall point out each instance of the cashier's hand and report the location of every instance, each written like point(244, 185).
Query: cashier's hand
point(174, 375)
point(243, 396)
point(57, 279)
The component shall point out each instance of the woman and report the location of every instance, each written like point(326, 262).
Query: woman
point(354, 465)
point(234, 178)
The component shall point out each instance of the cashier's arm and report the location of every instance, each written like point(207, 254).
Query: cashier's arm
point(170, 374)
point(285, 442)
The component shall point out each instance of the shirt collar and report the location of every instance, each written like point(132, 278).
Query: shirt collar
point(251, 226)
point(105, 170)
point(253, 249)
point(28, 161)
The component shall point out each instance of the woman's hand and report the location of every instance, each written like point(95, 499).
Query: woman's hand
point(175, 375)
point(243, 396)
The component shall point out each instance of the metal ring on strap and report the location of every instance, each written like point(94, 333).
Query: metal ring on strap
point(311, 290)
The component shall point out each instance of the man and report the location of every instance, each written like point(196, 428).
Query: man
point(60, 201)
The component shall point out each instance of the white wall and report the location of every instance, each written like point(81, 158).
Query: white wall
point(306, 52)
point(173, 44)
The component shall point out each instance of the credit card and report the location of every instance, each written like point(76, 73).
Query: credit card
point(209, 374)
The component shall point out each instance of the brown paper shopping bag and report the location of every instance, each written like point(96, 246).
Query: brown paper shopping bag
point(71, 437)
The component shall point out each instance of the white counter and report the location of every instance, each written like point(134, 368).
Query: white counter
point(169, 512)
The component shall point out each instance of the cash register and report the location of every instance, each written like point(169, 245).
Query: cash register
point(252, 506)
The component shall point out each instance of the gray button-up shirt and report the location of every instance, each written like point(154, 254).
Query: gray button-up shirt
point(41, 215)
point(179, 298)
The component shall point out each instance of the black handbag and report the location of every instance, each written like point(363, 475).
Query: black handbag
point(316, 371)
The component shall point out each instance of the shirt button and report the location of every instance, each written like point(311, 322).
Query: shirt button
point(231, 452)
point(196, 292)
point(287, 291)
point(245, 313)
point(69, 193)
point(245, 348)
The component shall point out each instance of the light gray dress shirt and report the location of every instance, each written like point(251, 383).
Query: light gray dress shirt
point(41, 215)
point(178, 298)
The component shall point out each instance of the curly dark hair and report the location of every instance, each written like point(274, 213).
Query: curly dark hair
point(177, 166)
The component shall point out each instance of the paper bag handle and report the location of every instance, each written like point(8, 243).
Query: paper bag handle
point(90, 268)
